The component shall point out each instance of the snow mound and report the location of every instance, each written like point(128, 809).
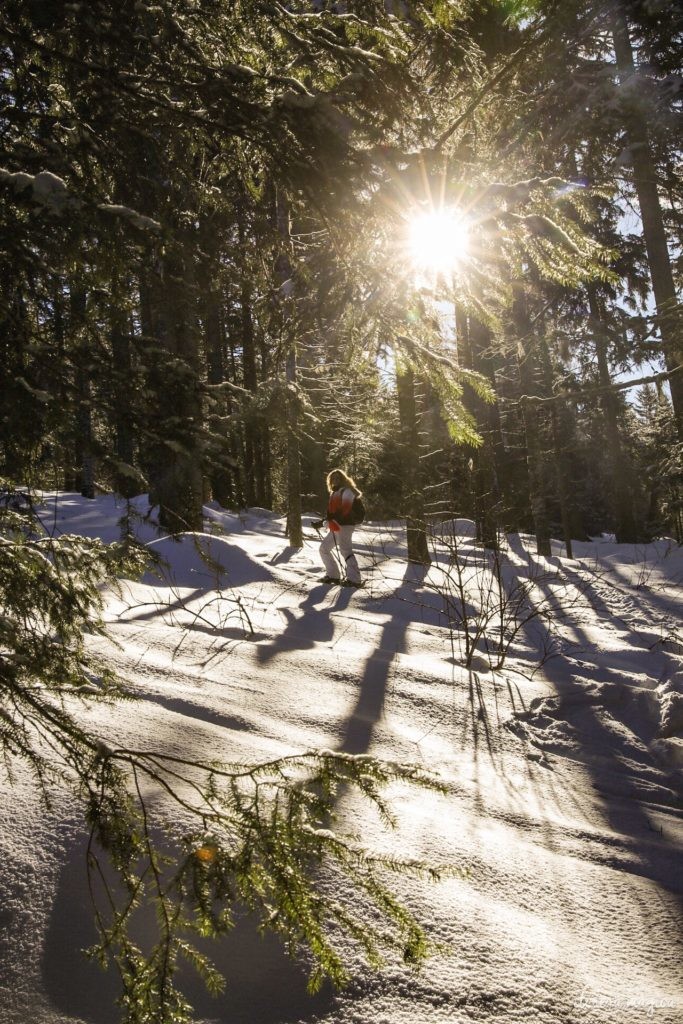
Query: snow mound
point(203, 561)
point(670, 710)
point(459, 528)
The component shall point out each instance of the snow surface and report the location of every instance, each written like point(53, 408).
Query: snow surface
point(563, 770)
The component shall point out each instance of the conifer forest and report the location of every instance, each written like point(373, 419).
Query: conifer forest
point(213, 283)
point(438, 244)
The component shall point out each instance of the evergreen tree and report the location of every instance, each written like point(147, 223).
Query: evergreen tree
point(659, 455)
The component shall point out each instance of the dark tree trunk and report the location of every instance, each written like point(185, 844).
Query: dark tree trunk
point(150, 353)
point(283, 273)
point(126, 479)
point(173, 382)
point(83, 449)
point(294, 526)
point(645, 182)
point(486, 486)
point(65, 431)
point(265, 494)
point(413, 495)
point(221, 469)
point(559, 459)
point(533, 425)
point(622, 494)
point(18, 424)
point(253, 446)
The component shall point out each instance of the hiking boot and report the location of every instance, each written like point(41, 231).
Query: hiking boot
point(329, 579)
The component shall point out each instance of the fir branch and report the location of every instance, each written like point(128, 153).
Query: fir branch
point(575, 396)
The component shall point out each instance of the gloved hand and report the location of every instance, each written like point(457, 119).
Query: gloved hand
point(317, 523)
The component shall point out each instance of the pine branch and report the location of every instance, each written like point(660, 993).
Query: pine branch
point(565, 395)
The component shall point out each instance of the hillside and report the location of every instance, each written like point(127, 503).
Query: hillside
point(563, 768)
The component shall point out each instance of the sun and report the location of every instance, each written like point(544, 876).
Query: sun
point(437, 240)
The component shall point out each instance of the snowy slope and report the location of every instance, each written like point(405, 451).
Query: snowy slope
point(565, 785)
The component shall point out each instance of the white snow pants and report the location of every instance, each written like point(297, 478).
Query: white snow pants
point(340, 544)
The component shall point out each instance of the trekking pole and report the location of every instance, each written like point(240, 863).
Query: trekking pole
point(317, 526)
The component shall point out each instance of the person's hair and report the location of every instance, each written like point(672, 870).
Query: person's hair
point(345, 479)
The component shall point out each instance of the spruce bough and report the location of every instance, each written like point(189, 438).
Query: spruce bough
point(260, 837)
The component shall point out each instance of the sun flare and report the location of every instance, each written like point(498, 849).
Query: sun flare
point(437, 240)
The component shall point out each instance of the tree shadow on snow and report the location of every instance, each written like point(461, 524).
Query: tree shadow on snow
point(284, 556)
point(608, 730)
point(358, 730)
point(263, 984)
point(313, 626)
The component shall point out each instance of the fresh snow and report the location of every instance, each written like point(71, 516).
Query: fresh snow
point(564, 771)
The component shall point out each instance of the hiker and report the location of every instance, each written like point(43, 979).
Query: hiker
point(344, 512)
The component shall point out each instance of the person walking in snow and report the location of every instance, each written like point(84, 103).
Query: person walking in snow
point(344, 512)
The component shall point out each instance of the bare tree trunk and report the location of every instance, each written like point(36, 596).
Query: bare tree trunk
point(283, 271)
point(294, 526)
point(418, 549)
point(622, 495)
point(487, 492)
point(126, 480)
point(253, 446)
point(558, 454)
point(65, 444)
point(222, 467)
point(18, 414)
point(645, 182)
point(531, 412)
point(84, 456)
point(173, 380)
point(264, 495)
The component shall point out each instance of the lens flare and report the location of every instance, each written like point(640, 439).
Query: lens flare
point(437, 240)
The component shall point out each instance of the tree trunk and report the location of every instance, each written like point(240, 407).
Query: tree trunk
point(173, 380)
point(294, 526)
point(149, 353)
point(65, 440)
point(558, 454)
point(264, 482)
point(533, 427)
point(486, 487)
point(18, 423)
point(253, 447)
point(418, 548)
point(283, 273)
point(645, 182)
point(221, 470)
point(84, 455)
point(622, 494)
point(126, 480)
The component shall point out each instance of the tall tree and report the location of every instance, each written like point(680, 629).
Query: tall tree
point(645, 181)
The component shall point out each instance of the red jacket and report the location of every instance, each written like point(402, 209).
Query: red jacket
point(339, 507)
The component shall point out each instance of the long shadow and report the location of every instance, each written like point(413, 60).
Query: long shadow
point(200, 713)
point(157, 608)
point(283, 556)
point(359, 727)
point(586, 563)
point(313, 626)
point(620, 661)
point(264, 985)
point(648, 603)
point(479, 715)
point(607, 756)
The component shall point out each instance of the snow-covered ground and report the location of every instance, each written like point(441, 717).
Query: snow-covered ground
point(564, 770)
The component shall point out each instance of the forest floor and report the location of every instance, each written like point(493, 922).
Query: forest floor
point(563, 769)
